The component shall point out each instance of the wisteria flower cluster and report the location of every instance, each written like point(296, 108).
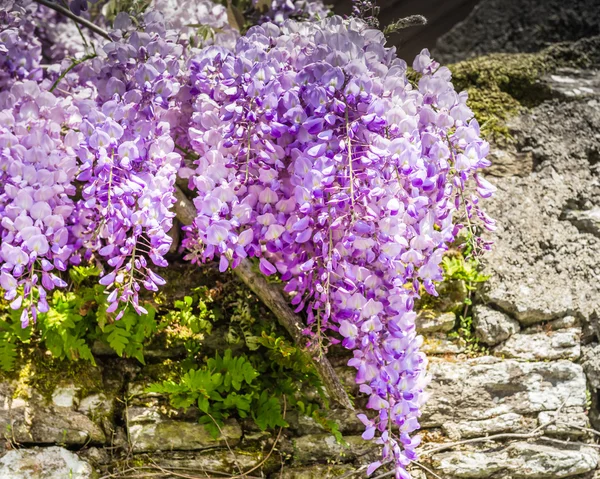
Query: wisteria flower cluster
point(313, 148)
point(128, 158)
point(37, 172)
point(20, 49)
point(317, 155)
point(189, 17)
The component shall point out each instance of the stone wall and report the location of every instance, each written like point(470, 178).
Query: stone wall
point(531, 387)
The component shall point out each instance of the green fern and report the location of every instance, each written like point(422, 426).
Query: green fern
point(8, 352)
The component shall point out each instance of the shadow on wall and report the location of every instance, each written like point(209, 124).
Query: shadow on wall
point(441, 16)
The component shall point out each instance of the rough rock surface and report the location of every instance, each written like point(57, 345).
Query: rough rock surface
point(488, 387)
point(44, 463)
point(534, 346)
point(435, 322)
point(27, 416)
point(543, 266)
point(519, 460)
point(491, 326)
point(591, 364)
point(513, 26)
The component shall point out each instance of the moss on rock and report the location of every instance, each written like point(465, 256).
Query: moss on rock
point(501, 85)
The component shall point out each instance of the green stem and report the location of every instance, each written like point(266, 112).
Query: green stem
point(69, 68)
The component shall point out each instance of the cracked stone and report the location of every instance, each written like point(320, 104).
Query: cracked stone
point(491, 326)
point(561, 344)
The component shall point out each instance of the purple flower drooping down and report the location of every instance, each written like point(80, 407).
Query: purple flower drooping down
point(314, 153)
point(317, 155)
point(38, 166)
point(129, 160)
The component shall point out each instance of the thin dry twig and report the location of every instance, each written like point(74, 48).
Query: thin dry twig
point(537, 432)
point(226, 443)
point(244, 474)
point(585, 429)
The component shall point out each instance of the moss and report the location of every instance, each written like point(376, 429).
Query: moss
point(45, 374)
point(501, 85)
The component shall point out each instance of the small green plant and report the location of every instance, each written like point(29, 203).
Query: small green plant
point(464, 268)
point(225, 385)
point(73, 322)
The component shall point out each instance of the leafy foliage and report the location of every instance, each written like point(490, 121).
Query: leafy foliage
point(225, 385)
point(248, 384)
point(73, 322)
point(467, 270)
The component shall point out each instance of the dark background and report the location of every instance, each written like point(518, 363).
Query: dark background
point(441, 16)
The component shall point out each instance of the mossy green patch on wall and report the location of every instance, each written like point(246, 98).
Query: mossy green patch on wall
point(501, 85)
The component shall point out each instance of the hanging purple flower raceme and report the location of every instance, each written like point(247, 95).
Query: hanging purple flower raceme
point(38, 165)
point(129, 162)
point(320, 157)
point(20, 49)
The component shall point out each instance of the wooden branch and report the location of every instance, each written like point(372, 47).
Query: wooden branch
point(76, 18)
point(272, 297)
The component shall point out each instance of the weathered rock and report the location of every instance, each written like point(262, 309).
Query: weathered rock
point(314, 472)
point(542, 266)
point(533, 346)
point(467, 429)
point(28, 417)
point(491, 326)
point(585, 221)
point(346, 421)
point(324, 447)
point(44, 463)
point(518, 460)
point(487, 387)
point(518, 26)
point(150, 430)
point(439, 343)
point(572, 83)
point(570, 424)
point(591, 364)
point(221, 460)
point(509, 162)
point(562, 323)
point(433, 322)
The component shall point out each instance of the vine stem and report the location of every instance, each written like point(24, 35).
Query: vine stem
point(273, 299)
point(69, 68)
point(81, 21)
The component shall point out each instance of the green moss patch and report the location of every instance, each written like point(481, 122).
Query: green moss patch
point(501, 85)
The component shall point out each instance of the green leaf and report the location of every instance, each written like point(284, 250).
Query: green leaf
point(8, 353)
point(235, 18)
point(203, 404)
point(118, 338)
point(267, 412)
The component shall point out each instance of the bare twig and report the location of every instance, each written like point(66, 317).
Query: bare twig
point(426, 469)
point(235, 461)
point(245, 474)
point(585, 429)
point(272, 297)
point(538, 432)
point(569, 443)
point(81, 21)
point(495, 437)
